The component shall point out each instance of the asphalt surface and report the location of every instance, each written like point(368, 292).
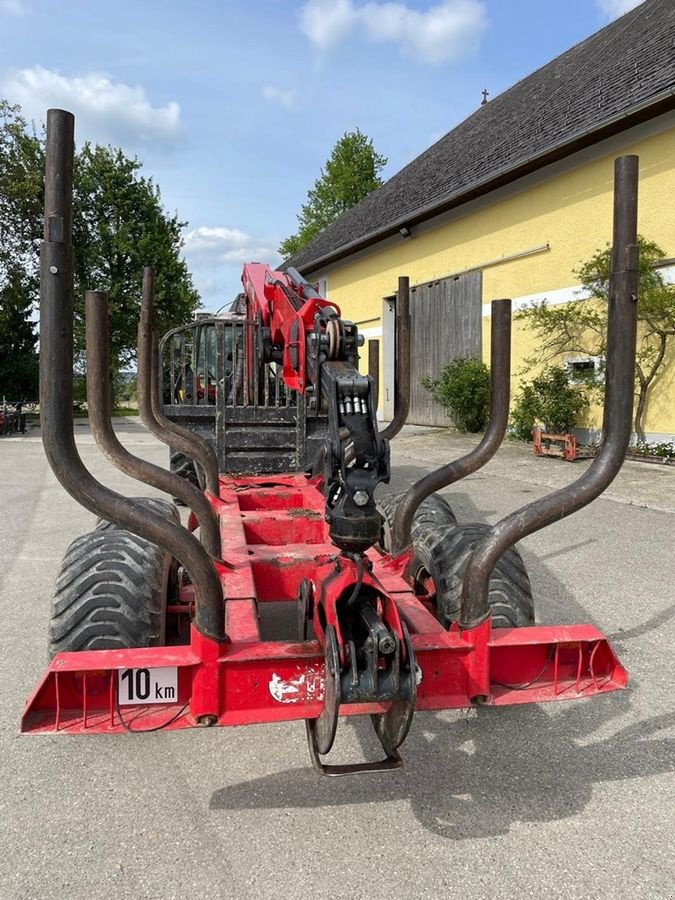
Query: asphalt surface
point(570, 800)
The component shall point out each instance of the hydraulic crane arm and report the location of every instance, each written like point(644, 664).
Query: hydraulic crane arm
point(318, 352)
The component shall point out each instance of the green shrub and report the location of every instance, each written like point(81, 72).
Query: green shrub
point(548, 400)
point(463, 388)
point(525, 413)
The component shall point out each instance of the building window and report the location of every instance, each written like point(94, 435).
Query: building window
point(585, 369)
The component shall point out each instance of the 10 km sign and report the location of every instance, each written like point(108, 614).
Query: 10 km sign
point(147, 685)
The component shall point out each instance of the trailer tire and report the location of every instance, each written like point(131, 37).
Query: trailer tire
point(164, 507)
point(110, 593)
point(431, 518)
point(510, 597)
point(433, 514)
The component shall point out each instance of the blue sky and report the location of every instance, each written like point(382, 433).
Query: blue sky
point(234, 106)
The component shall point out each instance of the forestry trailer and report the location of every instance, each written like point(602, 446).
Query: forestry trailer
point(399, 608)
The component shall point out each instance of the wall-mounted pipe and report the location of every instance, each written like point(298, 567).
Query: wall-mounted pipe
point(619, 381)
point(98, 395)
point(56, 389)
point(500, 381)
point(374, 366)
point(402, 361)
point(192, 445)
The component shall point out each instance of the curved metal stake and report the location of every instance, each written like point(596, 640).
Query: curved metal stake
point(56, 390)
point(98, 394)
point(402, 358)
point(192, 445)
point(616, 426)
point(179, 435)
point(500, 384)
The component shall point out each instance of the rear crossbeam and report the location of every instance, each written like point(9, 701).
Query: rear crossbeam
point(274, 536)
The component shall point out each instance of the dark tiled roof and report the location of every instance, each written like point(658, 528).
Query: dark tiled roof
point(619, 76)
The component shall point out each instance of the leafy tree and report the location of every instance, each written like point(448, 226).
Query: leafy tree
point(21, 162)
point(581, 327)
point(18, 359)
point(350, 174)
point(21, 167)
point(125, 388)
point(119, 226)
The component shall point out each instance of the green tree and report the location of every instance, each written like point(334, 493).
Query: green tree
point(18, 359)
point(350, 174)
point(119, 226)
point(581, 327)
point(21, 167)
point(21, 162)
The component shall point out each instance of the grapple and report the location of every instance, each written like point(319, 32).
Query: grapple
point(368, 642)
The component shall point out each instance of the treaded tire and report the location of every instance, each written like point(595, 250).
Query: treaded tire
point(164, 507)
point(510, 596)
point(431, 518)
point(110, 593)
point(431, 515)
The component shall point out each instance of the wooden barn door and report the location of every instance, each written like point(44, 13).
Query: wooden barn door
point(445, 320)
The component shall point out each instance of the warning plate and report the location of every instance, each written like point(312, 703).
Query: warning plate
point(135, 686)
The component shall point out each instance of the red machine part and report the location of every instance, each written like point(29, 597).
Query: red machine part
point(286, 539)
point(566, 444)
point(274, 536)
point(276, 299)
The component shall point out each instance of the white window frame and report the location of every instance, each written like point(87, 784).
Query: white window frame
point(598, 368)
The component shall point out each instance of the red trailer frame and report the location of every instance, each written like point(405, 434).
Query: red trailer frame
point(367, 644)
point(274, 536)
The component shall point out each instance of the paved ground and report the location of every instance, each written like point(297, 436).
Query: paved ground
point(564, 800)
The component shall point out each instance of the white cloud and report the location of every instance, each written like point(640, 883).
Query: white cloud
point(285, 98)
point(327, 22)
point(215, 256)
point(205, 284)
point(105, 111)
point(444, 32)
point(229, 245)
point(615, 8)
point(12, 7)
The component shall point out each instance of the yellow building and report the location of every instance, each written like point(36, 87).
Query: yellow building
point(510, 202)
